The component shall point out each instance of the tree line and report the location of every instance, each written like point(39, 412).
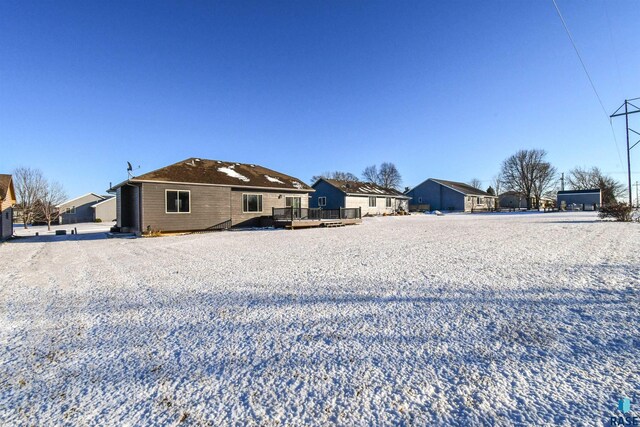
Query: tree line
point(386, 176)
point(37, 196)
point(527, 172)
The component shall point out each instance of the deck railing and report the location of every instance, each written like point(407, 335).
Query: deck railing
point(315, 214)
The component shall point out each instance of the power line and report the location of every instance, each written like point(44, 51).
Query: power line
point(593, 86)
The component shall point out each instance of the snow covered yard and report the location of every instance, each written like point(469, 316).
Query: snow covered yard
point(494, 319)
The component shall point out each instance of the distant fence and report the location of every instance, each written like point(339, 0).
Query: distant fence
point(315, 214)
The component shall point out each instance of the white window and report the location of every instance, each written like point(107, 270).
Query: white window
point(372, 202)
point(322, 201)
point(251, 203)
point(177, 201)
point(293, 202)
point(479, 200)
point(388, 202)
point(71, 210)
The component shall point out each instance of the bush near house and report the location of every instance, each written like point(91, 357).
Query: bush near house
point(618, 211)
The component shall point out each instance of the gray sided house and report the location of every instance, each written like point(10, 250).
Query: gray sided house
point(516, 200)
point(7, 202)
point(199, 194)
point(81, 209)
point(579, 199)
point(105, 211)
point(438, 194)
point(370, 198)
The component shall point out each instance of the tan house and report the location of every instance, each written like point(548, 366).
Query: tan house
point(199, 194)
point(369, 198)
point(7, 202)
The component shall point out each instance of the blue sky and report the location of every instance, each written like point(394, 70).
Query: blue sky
point(442, 89)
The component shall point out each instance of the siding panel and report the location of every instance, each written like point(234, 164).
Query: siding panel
point(209, 206)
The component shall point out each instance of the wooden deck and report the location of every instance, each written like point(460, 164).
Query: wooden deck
point(309, 223)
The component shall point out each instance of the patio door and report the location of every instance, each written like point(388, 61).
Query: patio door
point(295, 203)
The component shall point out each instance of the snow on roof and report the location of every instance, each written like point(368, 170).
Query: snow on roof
point(229, 171)
point(217, 172)
point(272, 179)
point(362, 188)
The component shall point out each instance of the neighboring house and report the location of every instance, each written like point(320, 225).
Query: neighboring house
point(7, 202)
point(81, 209)
point(370, 198)
point(105, 211)
point(513, 200)
point(516, 200)
point(579, 199)
point(198, 194)
point(441, 195)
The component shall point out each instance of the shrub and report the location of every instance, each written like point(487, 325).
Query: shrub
point(617, 211)
point(98, 220)
point(152, 232)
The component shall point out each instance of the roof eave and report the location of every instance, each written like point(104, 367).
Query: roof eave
point(288, 189)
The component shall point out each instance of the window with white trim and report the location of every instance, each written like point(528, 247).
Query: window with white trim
point(251, 203)
point(388, 202)
point(178, 201)
point(70, 210)
point(322, 201)
point(293, 202)
point(372, 202)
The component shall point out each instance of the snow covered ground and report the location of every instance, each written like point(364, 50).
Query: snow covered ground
point(494, 319)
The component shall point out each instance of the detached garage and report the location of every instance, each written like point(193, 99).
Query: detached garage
point(585, 200)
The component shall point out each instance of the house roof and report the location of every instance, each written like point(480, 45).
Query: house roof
point(217, 172)
point(6, 183)
point(80, 197)
point(593, 190)
point(461, 187)
point(107, 199)
point(362, 188)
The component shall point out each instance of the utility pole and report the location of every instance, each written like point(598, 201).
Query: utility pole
point(626, 116)
point(562, 182)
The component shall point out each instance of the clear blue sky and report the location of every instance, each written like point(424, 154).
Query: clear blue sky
point(442, 89)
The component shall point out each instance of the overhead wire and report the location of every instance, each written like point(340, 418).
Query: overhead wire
point(586, 71)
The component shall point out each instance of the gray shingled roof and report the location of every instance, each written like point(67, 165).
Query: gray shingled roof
point(203, 171)
point(462, 187)
point(364, 188)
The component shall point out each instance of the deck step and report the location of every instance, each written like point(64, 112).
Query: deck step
point(333, 224)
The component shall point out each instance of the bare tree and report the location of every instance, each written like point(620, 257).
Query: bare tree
point(587, 179)
point(544, 181)
point(387, 176)
point(370, 174)
point(339, 175)
point(496, 183)
point(52, 194)
point(29, 184)
point(521, 171)
point(475, 183)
